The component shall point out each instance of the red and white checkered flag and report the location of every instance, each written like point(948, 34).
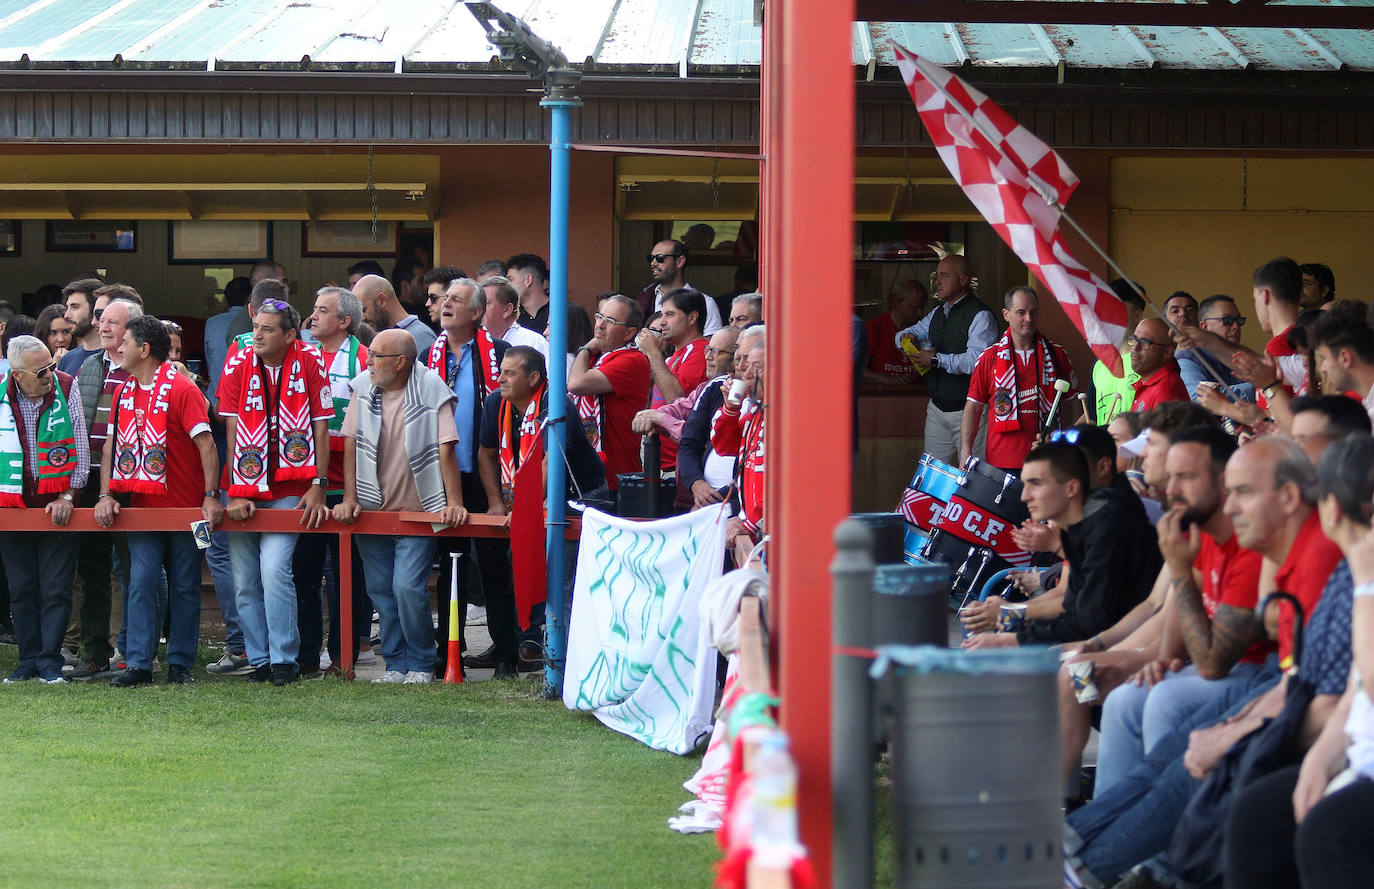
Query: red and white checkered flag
point(1012, 178)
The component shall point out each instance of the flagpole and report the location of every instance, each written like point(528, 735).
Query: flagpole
point(1044, 192)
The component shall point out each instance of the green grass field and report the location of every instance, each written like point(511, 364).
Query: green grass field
point(327, 783)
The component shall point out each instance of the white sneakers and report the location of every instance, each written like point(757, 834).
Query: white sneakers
point(390, 676)
point(419, 677)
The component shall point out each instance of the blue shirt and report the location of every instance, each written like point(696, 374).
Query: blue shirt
point(459, 369)
point(217, 345)
point(1190, 367)
point(1326, 638)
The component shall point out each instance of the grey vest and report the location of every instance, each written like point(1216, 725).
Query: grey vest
point(948, 336)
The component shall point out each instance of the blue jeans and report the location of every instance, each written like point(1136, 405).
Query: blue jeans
point(266, 595)
point(150, 553)
point(1134, 819)
point(221, 571)
point(1134, 717)
point(397, 570)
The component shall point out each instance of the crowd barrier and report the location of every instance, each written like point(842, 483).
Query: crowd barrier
point(399, 524)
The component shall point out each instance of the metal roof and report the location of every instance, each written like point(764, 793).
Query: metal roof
point(632, 35)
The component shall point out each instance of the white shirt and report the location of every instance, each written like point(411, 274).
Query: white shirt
point(1369, 404)
point(516, 335)
point(712, 310)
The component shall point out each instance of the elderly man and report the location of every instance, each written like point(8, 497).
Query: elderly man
point(512, 433)
point(746, 309)
point(334, 321)
point(277, 404)
point(399, 457)
point(704, 472)
point(740, 428)
point(1016, 376)
point(501, 318)
point(1218, 315)
point(1112, 395)
point(44, 460)
point(611, 381)
point(161, 454)
point(1152, 356)
point(721, 351)
point(951, 338)
point(384, 311)
point(667, 267)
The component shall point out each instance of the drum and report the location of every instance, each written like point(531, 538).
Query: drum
point(983, 512)
point(915, 542)
point(931, 487)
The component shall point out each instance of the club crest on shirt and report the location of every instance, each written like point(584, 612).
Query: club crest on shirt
point(250, 463)
point(58, 456)
point(1002, 404)
point(155, 461)
point(127, 462)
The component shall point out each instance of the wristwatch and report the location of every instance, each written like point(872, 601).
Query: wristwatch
point(212, 495)
point(67, 496)
point(1271, 390)
point(320, 482)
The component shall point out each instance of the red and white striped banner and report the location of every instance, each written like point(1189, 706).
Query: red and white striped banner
point(1011, 177)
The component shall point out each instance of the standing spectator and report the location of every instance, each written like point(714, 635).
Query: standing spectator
point(265, 270)
point(236, 295)
point(1152, 357)
point(740, 428)
point(577, 332)
point(363, 267)
point(161, 453)
point(1112, 394)
point(704, 473)
point(436, 282)
point(886, 362)
point(683, 311)
point(1016, 376)
point(383, 311)
point(951, 338)
point(399, 457)
point(529, 275)
point(611, 381)
point(277, 405)
point(79, 299)
point(38, 469)
point(334, 320)
point(746, 309)
point(500, 318)
point(1318, 285)
point(1218, 314)
point(668, 267)
point(54, 331)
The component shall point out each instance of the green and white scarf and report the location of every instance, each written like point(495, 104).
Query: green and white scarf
point(56, 446)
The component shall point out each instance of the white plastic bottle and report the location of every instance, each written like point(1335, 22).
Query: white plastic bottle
point(775, 803)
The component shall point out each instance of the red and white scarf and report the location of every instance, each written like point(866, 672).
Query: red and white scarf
point(489, 368)
point(527, 441)
point(140, 446)
point(259, 422)
point(752, 454)
point(591, 409)
point(1006, 395)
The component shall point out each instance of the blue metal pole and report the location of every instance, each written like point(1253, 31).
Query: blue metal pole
point(555, 628)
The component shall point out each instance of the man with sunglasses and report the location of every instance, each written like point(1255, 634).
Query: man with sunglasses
point(611, 379)
point(44, 462)
point(1152, 356)
point(1217, 315)
point(667, 267)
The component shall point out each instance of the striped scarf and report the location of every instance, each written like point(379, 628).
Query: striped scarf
point(343, 367)
point(140, 447)
point(258, 423)
point(526, 441)
point(56, 444)
point(490, 368)
point(426, 395)
point(591, 409)
point(1006, 395)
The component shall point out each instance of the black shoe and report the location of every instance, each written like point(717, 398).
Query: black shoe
point(505, 671)
point(261, 673)
point(531, 657)
point(178, 675)
point(7, 635)
point(132, 677)
point(283, 674)
point(484, 661)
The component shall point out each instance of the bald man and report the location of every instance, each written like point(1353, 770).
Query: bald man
point(1152, 356)
point(384, 311)
point(951, 337)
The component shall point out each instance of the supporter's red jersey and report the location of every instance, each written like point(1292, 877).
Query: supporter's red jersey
point(688, 365)
point(1304, 574)
point(628, 372)
point(1230, 576)
point(186, 418)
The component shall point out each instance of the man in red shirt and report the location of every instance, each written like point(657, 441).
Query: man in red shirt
point(611, 379)
point(682, 316)
point(159, 452)
point(886, 362)
point(1152, 356)
point(277, 405)
point(1016, 375)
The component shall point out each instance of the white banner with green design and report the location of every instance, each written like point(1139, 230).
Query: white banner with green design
point(637, 655)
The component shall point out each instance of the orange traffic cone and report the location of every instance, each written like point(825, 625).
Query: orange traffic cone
point(454, 674)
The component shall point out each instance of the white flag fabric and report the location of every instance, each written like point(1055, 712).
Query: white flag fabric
point(638, 658)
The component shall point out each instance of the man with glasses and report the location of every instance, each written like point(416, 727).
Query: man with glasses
point(44, 461)
point(1152, 356)
point(704, 473)
point(436, 282)
point(667, 267)
point(1218, 315)
point(611, 381)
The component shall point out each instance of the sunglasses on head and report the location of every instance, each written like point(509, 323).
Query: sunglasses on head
point(275, 304)
point(1068, 436)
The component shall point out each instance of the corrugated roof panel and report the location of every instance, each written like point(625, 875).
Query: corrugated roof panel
point(1281, 50)
point(574, 28)
point(645, 32)
point(197, 38)
point(459, 38)
point(378, 34)
point(298, 28)
point(115, 34)
point(929, 41)
point(1013, 46)
point(726, 34)
point(1355, 48)
point(1098, 46)
point(1185, 48)
point(30, 32)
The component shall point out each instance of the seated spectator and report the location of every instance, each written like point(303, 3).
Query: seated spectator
point(611, 381)
point(1152, 356)
point(399, 457)
point(1152, 445)
point(1318, 285)
point(44, 467)
point(1109, 547)
point(1319, 420)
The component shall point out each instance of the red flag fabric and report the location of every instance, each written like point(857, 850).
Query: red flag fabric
point(1011, 177)
point(528, 559)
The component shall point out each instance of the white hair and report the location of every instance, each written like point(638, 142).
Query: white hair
point(21, 344)
point(756, 334)
point(135, 310)
point(478, 299)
